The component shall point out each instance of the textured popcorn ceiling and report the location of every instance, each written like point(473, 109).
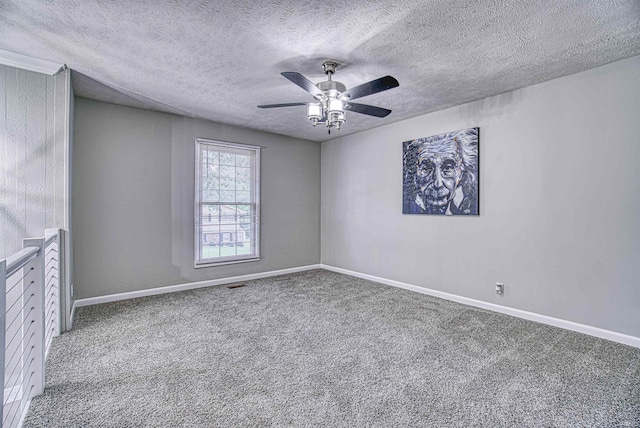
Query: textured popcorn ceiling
point(219, 59)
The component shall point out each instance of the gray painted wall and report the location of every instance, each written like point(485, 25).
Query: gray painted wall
point(32, 155)
point(133, 199)
point(559, 216)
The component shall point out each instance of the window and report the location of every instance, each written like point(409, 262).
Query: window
point(227, 222)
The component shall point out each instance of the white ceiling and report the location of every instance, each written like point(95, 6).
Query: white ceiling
point(219, 59)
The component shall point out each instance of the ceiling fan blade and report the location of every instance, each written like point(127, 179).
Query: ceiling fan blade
point(367, 109)
point(303, 82)
point(282, 105)
point(369, 88)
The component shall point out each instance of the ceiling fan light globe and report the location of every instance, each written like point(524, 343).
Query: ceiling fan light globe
point(314, 112)
point(335, 106)
point(336, 119)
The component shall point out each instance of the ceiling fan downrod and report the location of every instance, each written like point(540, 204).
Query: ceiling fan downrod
point(329, 68)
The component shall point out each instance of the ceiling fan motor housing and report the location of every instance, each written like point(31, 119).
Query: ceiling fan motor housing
point(331, 88)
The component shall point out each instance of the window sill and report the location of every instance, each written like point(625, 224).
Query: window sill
point(206, 264)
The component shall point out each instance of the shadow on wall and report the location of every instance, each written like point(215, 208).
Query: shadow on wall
point(490, 109)
point(26, 207)
point(10, 222)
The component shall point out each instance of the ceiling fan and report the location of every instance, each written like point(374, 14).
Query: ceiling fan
point(333, 99)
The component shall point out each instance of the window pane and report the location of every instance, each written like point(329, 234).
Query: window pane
point(210, 181)
point(227, 177)
point(244, 209)
point(243, 161)
point(210, 195)
point(229, 248)
point(210, 241)
point(212, 157)
point(210, 214)
point(210, 170)
point(246, 231)
point(245, 228)
point(227, 196)
point(227, 159)
point(228, 214)
point(210, 251)
point(244, 220)
point(227, 185)
point(243, 179)
point(243, 196)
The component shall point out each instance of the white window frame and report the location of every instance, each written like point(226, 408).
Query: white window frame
point(199, 262)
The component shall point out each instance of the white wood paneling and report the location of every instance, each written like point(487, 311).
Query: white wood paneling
point(32, 157)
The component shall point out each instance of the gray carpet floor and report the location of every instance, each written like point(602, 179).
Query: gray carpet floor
point(323, 349)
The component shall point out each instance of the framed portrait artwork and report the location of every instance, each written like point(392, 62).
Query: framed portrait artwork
point(441, 174)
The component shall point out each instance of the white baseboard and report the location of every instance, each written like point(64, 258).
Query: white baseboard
point(532, 316)
point(188, 286)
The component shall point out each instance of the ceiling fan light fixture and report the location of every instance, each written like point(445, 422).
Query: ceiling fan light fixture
point(314, 112)
point(332, 96)
point(335, 120)
point(335, 113)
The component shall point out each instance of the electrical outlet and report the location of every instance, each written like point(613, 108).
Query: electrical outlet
point(499, 288)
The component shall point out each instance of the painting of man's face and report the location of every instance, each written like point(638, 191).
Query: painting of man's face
point(441, 174)
point(438, 172)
